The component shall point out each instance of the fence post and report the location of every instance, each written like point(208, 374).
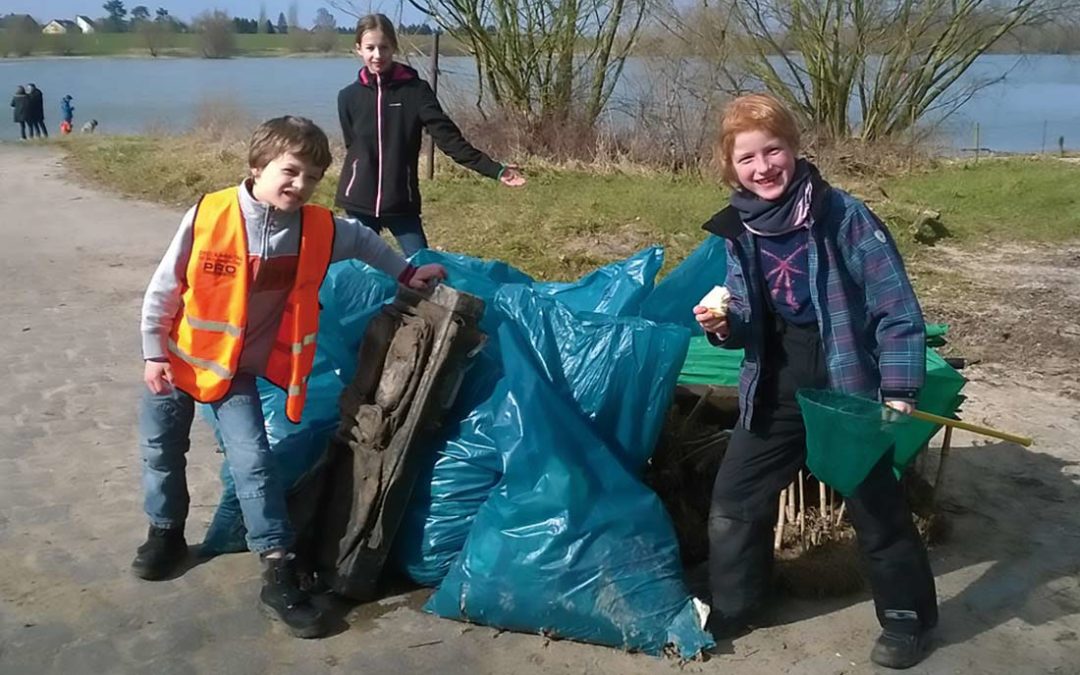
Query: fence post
point(1044, 138)
point(435, 88)
point(976, 142)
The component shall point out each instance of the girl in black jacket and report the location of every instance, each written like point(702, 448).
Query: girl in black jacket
point(382, 114)
point(21, 104)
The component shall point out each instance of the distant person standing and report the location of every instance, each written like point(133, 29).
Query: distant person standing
point(20, 104)
point(36, 117)
point(67, 115)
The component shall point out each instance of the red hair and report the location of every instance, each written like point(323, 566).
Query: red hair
point(753, 112)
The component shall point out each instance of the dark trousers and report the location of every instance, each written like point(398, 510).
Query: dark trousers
point(762, 461)
point(22, 130)
point(39, 127)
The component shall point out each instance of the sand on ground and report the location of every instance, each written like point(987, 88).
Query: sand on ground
point(74, 262)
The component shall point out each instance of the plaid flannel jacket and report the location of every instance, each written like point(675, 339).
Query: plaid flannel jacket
point(871, 323)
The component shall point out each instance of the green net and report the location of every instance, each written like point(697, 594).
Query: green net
point(846, 436)
point(940, 394)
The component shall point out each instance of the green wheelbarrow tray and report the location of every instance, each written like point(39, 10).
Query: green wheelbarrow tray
point(846, 436)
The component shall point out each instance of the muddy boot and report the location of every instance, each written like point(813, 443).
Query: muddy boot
point(283, 600)
point(902, 644)
point(160, 555)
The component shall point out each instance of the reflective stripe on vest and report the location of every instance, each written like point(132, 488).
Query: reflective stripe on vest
point(207, 338)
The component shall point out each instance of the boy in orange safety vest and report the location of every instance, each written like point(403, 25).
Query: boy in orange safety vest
point(234, 298)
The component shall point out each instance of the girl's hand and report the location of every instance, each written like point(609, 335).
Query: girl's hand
point(425, 275)
point(158, 377)
point(711, 323)
point(512, 176)
point(900, 406)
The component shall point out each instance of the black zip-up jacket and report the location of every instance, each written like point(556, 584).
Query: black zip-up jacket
point(36, 111)
point(382, 118)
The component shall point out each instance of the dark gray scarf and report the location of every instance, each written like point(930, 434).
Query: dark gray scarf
point(788, 213)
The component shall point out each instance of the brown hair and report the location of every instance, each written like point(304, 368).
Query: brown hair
point(378, 22)
point(297, 135)
point(753, 112)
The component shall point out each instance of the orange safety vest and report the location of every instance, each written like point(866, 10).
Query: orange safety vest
point(208, 335)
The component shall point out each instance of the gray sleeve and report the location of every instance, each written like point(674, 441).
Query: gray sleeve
point(162, 299)
point(353, 240)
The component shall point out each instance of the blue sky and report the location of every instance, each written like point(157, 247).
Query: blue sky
point(44, 10)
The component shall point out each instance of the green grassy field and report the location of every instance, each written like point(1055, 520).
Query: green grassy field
point(188, 45)
point(567, 222)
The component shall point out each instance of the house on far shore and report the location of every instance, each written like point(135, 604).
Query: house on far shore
point(61, 26)
point(81, 24)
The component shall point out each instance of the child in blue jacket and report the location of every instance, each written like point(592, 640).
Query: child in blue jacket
point(819, 299)
point(67, 114)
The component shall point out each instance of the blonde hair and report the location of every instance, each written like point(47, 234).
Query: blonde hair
point(378, 22)
point(753, 112)
point(297, 135)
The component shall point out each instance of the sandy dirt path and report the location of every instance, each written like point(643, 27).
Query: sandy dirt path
point(74, 262)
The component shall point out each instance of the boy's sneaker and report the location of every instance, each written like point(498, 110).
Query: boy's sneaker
point(900, 648)
point(283, 599)
point(161, 554)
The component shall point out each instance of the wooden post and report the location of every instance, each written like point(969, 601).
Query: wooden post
point(976, 142)
point(435, 88)
point(1044, 138)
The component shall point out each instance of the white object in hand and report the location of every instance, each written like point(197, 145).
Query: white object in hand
point(716, 300)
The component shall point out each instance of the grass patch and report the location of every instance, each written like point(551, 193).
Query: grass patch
point(1015, 199)
point(567, 222)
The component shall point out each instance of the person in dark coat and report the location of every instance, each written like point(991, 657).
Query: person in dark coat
point(36, 117)
point(21, 107)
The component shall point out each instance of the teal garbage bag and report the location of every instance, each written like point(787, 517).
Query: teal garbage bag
point(571, 543)
point(673, 299)
point(466, 464)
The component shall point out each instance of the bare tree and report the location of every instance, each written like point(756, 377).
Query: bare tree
point(21, 35)
point(216, 35)
point(900, 59)
point(543, 59)
point(67, 43)
point(324, 32)
point(155, 35)
point(299, 38)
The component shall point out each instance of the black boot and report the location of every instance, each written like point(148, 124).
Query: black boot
point(283, 599)
point(160, 555)
point(900, 645)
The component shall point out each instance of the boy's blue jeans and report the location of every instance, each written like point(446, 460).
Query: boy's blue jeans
point(408, 230)
point(164, 438)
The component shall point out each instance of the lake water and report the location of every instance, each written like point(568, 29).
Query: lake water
point(1038, 100)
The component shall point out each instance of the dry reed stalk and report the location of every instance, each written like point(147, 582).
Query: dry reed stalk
point(802, 506)
point(778, 539)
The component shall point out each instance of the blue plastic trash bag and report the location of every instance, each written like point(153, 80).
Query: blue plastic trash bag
point(351, 294)
point(673, 299)
point(618, 289)
point(571, 543)
point(466, 464)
